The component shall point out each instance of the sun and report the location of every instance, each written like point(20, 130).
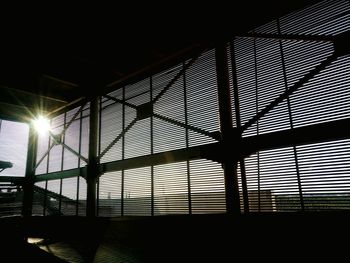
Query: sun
point(41, 125)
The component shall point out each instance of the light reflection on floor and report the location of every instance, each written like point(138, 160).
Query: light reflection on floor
point(106, 252)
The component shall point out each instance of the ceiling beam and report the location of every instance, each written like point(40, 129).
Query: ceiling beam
point(20, 113)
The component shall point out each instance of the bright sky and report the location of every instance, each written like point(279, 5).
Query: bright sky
point(13, 146)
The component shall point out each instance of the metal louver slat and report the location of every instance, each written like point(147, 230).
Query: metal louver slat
point(232, 79)
point(324, 169)
point(202, 104)
point(324, 98)
point(272, 181)
point(84, 147)
point(72, 137)
point(317, 19)
point(111, 127)
point(207, 187)
point(137, 139)
point(301, 57)
point(109, 199)
point(171, 189)
point(69, 195)
point(11, 200)
point(137, 191)
point(168, 136)
point(39, 199)
point(82, 191)
point(42, 146)
point(53, 198)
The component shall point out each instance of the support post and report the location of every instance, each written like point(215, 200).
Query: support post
point(28, 185)
point(239, 128)
point(92, 167)
point(229, 164)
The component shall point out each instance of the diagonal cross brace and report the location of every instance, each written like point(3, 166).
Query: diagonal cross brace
point(187, 126)
point(43, 157)
point(177, 76)
point(73, 118)
point(75, 152)
point(56, 142)
point(290, 91)
point(121, 101)
point(117, 138)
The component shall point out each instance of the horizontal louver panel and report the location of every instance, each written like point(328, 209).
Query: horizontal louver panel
point(71, 138)
point(111, 127)
point(171, 189)
point(246, 80)
point(53, 197)
point(324, 170)
point(42, 147)
point(270, 84)
point(109, 194)
point(207, 187)
point(138, 139)
point(167, 136)
point(69, 196)
point(326, 17)
point(138, 93)
point(232, 77)
point(10, 200)
point(162, 80)
point(272, 181)
point(202, 103)
point(302, 56)
point(324, 98)
point(39, 199)
point(137, 191)
point(84, 139)
point(82, 191)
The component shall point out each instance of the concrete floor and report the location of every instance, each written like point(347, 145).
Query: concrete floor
point(202, 238)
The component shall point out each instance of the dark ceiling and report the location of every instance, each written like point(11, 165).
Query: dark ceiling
point(45, 65)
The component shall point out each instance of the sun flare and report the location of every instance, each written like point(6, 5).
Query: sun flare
point(41, 125)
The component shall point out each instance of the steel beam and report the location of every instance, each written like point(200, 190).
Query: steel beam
point(329, 131)
point(74, 152)
point(92, 167)
point(62, 174)
point(121, 101)
point(121, 135)
point(191, 153)
point(186, 126)
point(291, 90)
point(28, 183)
point(225, 112)
point(238, 125)
point(177, 76)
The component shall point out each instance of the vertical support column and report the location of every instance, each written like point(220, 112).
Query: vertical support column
point(123, 157)
point(79, 161)
point(28, 186)
point(238, 123)
point(189, 192)
point(285, 79)
point(229, 165)
point(62, 164)
point(152, 146)
point(92, 167)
